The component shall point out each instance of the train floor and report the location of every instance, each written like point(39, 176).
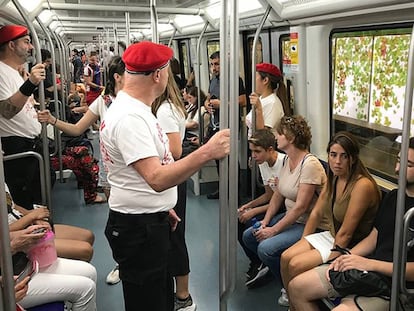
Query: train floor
point(202, 235)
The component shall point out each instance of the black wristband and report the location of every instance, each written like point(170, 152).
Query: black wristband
point(27, 88)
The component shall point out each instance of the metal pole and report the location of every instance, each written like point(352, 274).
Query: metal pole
point(8, 302)
point(402, 180)
point(42, 103)
point(198, 83)
point(127, 27)
point(116, 46)
point(172, 37)
point(255, 40)
point(223, 186)
point(234, 152)
point(154, 21)
point(55, 96)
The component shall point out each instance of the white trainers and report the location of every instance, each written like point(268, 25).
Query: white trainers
point(283, 299)
point(113, 276)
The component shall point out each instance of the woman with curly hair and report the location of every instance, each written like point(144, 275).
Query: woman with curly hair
point(301, 179)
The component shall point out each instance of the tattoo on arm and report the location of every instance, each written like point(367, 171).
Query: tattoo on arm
point(7, 109)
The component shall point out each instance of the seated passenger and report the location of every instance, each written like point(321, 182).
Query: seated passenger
point(262, 145)
point(270, 106)
point(68, 280)
point(70, 241)
point(374, 253)
point(301, 179)
point(350, 200)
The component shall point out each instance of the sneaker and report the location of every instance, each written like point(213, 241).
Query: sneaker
point(113, 276)
point(184, 305)
point(252, 269)
point(256, 274)
point(283, 299)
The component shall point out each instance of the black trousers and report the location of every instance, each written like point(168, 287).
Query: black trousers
point(22, 175)
point(179, 261)
point(140, 244)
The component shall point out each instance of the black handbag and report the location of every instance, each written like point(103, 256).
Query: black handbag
point(362, 283)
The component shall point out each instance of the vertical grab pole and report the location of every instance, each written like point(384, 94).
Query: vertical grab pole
point(36, 44)
point(8, 302)
point(234, 153)
point(399, 267)
point(198, 83)
point(127, 26)
point(256, 38)
point(55, 95)
point(116, 46)
point(172, 37)
point(223, 167)
point(154, 21)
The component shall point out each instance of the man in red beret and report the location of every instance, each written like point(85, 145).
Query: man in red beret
point(143, 178)
point(18, 122)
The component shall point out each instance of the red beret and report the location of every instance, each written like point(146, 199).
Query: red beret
point(269, 68)
point(12, 32)
point(146, 56)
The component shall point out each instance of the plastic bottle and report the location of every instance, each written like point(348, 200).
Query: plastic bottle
point(256, 226)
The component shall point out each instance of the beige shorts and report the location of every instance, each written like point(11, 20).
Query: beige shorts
point(365, 303)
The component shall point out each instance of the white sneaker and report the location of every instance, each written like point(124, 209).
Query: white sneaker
point(283, 299)
point(113, 276)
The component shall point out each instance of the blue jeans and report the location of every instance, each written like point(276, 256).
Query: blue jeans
point(270, 250)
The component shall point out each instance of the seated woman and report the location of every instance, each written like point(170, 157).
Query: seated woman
point(68, 280)
point(350, 199)
point(70, 241)
point(301, 179)
point(373, 253)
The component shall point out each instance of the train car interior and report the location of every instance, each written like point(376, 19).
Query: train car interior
point(346, 65)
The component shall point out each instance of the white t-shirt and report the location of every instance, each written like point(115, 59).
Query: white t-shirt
point(24, 123)
point(270, 175)
point(171, 119)
point(130, 132)
point(272, 113)
point(309, 171)
point(99, 107)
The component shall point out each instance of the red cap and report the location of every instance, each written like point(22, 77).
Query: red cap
point(269, 68)
point(12, 32)
point(146, 56)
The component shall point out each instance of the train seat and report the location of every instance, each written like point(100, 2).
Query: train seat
point(53, 306)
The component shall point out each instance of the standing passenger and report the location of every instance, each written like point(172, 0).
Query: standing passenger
point(92, 77)
point(270, 106)
point(212, 104)
point(143, 175)
point(19, 129)
point(350, 198)
point(171, 113)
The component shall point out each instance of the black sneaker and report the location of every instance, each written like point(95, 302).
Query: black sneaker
point(253, 266)
point(214, 195)
point(256, 274)
point(184, 305)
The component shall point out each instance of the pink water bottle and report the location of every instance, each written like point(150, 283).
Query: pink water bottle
point(44, 251)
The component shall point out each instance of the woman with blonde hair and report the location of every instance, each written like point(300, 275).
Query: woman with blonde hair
point(171, 114)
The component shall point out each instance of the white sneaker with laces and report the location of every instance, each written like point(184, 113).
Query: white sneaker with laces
point(113, 276)
point(283, 299)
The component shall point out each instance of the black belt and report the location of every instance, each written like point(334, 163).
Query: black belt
point(138, 218)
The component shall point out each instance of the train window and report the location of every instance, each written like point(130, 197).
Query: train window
point(185, 65)
point(212, 46)
point(369, 71)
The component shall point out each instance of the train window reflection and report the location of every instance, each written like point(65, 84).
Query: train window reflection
point(369, 71)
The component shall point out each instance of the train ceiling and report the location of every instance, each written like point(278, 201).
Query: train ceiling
point(81, 21)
